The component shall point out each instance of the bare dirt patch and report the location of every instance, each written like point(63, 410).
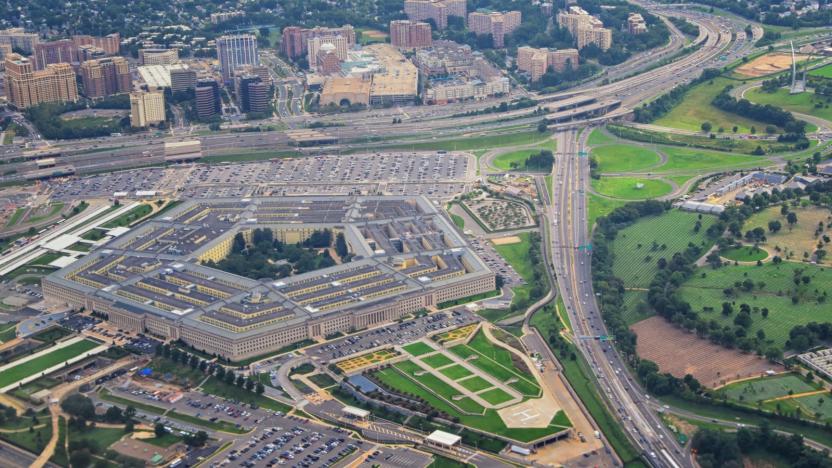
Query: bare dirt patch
point(768, 64)
point(679, 352)
point(506, 240)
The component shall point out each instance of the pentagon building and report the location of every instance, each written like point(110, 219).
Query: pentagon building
point(406, 256)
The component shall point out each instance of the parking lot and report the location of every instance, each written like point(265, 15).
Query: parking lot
point(436, 174)
point(398, 457)
point(395, 334)
point(276, 437)
point(496, 262)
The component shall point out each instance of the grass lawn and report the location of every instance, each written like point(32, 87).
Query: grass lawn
point(168, 370)
point(487, 421)
point(437, 360)
point(495, 396)
point(638, 247)
point(517, 255)
point(746, 253)
point(455, 372)
point(705, 295)
point(46, 258)
point(51, 211)
point(696, 160)
point(624, 158)
point(765, 388)
point(497, 362)
point(80, 247)
point(322, 380)
point(218, 425)
point(805, 103)
point(130, 217)
point(106, 395)
point(696, 108)
point(102, 437)
point(33, 441)
point(475, 384)
point(790, 243)
point(631, 188)
point(600, 137)
point(34, 386)
point(418, 348)
point(487, 141)
point(458, 221)
point(823, 72)
point(221, 389)
point(600, 206)
point(504, 162)
point(15, 217)
point(8, 331)
point(31, 367)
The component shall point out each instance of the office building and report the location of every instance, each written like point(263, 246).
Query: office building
point(158, 56)
point(454, 72)
point(327, 61)
point(585, 28)
point(236, 50)
point(147, 108)
point(636, 24)
point(295, 39)
point(63, 51)
point(154, 279)
point(158, 76)
point(407, 34)
point(208, 103)
point(253, 95)
point(536, 62)
point(106, 76)
point(436, 10)
point(495, 24)
point(182, 79)
point(17, 38)
point(109, 44)
point(27, 87)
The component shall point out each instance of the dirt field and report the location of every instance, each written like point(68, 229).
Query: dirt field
point(506, 240)
point(680, 353)
point(768, 64)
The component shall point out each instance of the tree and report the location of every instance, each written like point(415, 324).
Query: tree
point(249, 384)
point(240, 381)
point(791, 218)
point(727, 308)
point(774, 226)
point(260, 388)
point(706, 127)
point(159, 430)
point(79, 406)
point(81, 458)
point(113, 414)
point(220, 372)
point(542, 127)
point(197, 440)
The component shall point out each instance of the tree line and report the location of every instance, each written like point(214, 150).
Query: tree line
point(719, 449)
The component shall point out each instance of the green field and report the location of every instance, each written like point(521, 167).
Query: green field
point(221, 389)
point(495, 396)
point(765, 388)
point(15, 217)
point(631, 188)
point(497, 362)
point(437, 360)
point(101, 437)
point(638, 247)
point(475, 384)
point(823, 72)
point(418, 348)
point(504, 161)
point(746, 253)
point(130, 217)
point(8, 331)
point(34, 366)
point(696, 160)
point(775, 294)
point(600, 137)
point(456, 372)
point(696, 108)
point(400, 377)
point(598, 206)
point(471, 143)
point(517, 255)
point(624, 158)
point(805, 103)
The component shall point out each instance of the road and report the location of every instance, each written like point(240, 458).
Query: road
point(572, 260)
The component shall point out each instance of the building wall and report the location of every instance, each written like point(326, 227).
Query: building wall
point(234, 51)
point(147, 108)
point(158, 56)
point(26, 87)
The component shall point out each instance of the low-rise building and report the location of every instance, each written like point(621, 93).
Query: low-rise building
point(158, 56)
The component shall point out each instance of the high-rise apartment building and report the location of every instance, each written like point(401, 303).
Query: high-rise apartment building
point(147, 108)
point(295, 41)
point(208, 104)
point(495, 24)
point(90, 52)
point(158, 56)
point(336, 44)
point(182, 79)
point(17, 38)
point(236, 50)
point(536, 62)
point(106, 76)
point(109, 43)
point(636, 24)
point(27, 87)
point(586, 29)
point(436, 10)
point(407, 34)
point(63, 51)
